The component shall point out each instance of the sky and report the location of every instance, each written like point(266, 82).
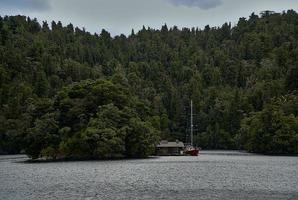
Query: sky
point(121, 16)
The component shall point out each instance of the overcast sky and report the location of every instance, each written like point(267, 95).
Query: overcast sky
point(120, 16)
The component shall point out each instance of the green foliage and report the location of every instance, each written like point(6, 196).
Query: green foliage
point(42, 136)
point(272, 130)
point(67, 80)
point(91, 119)
point(141, 139)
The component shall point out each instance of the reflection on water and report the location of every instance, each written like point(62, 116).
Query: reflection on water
point(212, 175)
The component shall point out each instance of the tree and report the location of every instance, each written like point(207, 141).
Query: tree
point(141, 139)
point(231, 73)
point(271, 130)
point(42, 136)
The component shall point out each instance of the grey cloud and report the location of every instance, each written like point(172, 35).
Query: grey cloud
point(38, 5)
point(203, 4)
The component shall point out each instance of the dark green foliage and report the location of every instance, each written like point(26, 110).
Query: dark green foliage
point(44, 134)
point(274, 129)
point(141, 84)
point(291, 79)
point(92, 119)
point(140, 138)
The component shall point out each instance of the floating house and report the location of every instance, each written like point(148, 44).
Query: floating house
point(165, 148)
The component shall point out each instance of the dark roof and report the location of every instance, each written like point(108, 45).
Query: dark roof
point(165, 143)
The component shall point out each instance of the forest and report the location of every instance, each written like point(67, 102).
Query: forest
point(65, 92)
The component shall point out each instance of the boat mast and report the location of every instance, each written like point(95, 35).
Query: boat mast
point(191, 123)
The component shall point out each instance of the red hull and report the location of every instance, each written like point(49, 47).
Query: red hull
point(193, 152)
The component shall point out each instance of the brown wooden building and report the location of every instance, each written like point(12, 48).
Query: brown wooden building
point(165, 148)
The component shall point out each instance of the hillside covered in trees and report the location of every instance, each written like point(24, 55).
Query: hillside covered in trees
point(66, 92)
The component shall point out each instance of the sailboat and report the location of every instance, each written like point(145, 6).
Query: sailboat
point(190, 149)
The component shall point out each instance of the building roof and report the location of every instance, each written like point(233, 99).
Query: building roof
point(165, 143)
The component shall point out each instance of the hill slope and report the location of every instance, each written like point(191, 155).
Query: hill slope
point(242, 79)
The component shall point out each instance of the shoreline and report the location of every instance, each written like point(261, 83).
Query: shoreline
point(203, 152)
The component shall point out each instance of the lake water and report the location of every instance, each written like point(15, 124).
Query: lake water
point(212, 175)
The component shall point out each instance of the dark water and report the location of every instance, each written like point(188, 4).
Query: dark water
point(212, 175)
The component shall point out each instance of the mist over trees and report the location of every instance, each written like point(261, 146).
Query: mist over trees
point(66, 92)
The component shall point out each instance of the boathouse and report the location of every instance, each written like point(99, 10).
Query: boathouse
point(165, 148)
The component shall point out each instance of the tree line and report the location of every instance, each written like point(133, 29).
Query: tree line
point(67, 92)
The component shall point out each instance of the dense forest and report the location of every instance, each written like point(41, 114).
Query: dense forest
point(67, 93)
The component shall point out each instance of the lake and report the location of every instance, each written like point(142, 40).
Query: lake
point(212, 175)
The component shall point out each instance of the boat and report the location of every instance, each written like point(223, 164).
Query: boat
point(190, 149)
point(177, 148)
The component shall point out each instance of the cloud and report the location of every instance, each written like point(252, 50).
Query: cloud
point(203, 4)
point(31, 5)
